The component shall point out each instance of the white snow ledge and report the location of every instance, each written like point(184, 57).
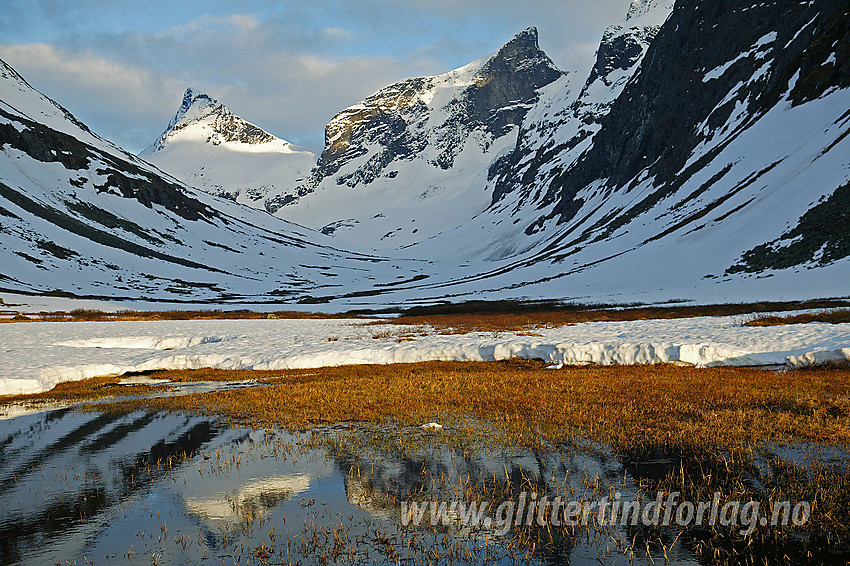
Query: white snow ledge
point(36, 356)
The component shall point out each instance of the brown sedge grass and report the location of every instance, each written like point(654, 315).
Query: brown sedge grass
point(484, 317)
point(619, 406)
point(96, 315)
point(836, 316)
point(518, 321)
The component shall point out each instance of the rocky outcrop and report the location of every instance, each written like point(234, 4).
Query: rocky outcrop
point(416, 116)
point(564, 123)
point(654, 124)
point(209, 147)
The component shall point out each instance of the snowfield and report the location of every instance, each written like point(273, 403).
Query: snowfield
point(36, 356)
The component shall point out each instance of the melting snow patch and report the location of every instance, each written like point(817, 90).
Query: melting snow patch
point(37, 356)
point(819, 357)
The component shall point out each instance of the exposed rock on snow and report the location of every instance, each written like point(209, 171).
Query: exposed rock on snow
point(411, 160)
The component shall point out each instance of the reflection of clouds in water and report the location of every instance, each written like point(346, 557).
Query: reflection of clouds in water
point(254, 497)
point(221, 491)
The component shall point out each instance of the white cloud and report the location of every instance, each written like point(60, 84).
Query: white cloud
point(242, 23)
point(112, 97)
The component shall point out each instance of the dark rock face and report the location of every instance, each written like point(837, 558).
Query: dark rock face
point(616, 52)
point(231, 128)
point(371, 121)
point(501, 93)
point(822, 236)
point(652, 124)
point(708, 74)
point(511, 77)
point(576, 118)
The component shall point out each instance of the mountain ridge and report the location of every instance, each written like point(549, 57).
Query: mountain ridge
point(421, 146)
point(226, 127)
point(81, 217)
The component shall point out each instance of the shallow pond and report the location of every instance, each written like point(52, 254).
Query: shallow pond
point(149, 488)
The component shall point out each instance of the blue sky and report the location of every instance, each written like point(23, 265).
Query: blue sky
point(122, 67)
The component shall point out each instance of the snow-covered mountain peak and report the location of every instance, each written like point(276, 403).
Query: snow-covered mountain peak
point(523, 48)
point(474, 93)
point(209, 147)
point(8, 72)
point(203, 118)
point(568, 115)
point(195, 105)
point(420, 149)
point(18, 95)
point(699, 155)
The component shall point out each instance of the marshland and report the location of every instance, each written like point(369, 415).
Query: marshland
point(322, 465)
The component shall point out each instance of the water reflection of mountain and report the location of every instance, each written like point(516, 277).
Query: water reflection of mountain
point(79, 483)
point(379, 482)
point(187, 488)
point(63, 473)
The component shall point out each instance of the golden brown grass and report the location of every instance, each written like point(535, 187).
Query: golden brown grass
point(517, 320)
point(705, 420)
point(94, 315)
point(622, 406)
point(454, 318)
point(836, 316)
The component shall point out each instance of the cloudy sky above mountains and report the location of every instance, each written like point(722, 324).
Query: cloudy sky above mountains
point(122, 67)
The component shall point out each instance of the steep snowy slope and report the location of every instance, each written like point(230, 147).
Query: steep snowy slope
point(720, 171)
point(207, 146)
point(79, 216)
point(411, 160)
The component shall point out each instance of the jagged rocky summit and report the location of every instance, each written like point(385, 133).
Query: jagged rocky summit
point(208, 146)
point(420, 149)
